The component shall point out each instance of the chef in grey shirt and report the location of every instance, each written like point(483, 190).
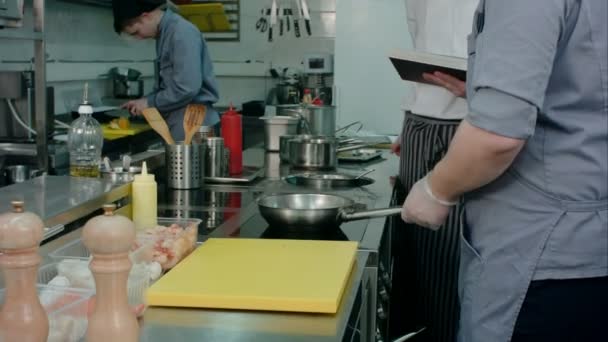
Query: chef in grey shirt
point(183, 68)
point(531, 159)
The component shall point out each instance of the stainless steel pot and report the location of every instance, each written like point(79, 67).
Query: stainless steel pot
point(320, 119)
point(316, 152)
point(275, 127)
point(313, 153)
point(317, 211)
point(315, 120)
point(128, 89)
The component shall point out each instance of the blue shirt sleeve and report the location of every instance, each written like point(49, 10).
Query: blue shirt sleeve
point(187, 73)
point(513, 61)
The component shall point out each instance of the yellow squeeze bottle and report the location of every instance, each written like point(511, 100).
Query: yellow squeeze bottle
point(143, 193)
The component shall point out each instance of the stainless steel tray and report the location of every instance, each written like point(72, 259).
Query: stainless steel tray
point(250, 173)
point(361, 155)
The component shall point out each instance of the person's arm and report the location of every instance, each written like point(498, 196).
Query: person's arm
point(513, 64)
point(187, 75)
point(475, 158)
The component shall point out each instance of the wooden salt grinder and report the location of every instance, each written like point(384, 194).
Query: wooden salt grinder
point(22, 317)
point(109, 238)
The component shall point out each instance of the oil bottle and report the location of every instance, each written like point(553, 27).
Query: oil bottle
point(85, 141)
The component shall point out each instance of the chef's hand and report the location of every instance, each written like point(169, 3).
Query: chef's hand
point(396, 146)
point(423, 208)
point(451, 83)
point(136, 107)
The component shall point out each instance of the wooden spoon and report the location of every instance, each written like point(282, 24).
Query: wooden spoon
point(156, 121)
point(195, 115)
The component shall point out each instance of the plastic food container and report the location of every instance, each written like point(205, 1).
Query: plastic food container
point(77, 250)
point(67, 310)
point(172, 240)
point(139, 281)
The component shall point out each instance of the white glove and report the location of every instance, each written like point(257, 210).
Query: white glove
point(425, 209)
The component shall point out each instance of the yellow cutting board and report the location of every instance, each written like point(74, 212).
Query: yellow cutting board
point(134, 128)
point(259, 274)
point(207, 17)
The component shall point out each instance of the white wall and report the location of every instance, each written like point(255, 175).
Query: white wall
point(284, 51)
point(81, 45)
point(368, 87)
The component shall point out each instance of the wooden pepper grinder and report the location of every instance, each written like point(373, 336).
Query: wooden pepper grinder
point(109, 238)
point(22, 317)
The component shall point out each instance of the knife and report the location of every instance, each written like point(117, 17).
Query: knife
point(306, 13)
point(281, 15)
point(296, 20)
point(273, 19)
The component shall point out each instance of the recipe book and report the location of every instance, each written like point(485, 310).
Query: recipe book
point(412, 64)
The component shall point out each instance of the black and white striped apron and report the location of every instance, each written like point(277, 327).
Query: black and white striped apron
point(426, 262)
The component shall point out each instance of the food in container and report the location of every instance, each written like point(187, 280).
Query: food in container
point(172, 240)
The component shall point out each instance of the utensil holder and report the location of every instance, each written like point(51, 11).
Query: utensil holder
point(216, 163)
point(185, 165)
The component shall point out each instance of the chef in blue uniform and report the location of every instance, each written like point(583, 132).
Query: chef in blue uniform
point(183, 68)
point(531, 159)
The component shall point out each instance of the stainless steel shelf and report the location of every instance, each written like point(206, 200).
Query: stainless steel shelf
point(20, 34)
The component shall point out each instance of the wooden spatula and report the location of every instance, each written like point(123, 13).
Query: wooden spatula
point(156, 121)
point(195, 115)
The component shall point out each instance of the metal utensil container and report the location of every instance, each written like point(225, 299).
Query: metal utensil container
point(185, 165)
point(277, 126)
point(313, 153)
point(203, 133)
point(216, 163)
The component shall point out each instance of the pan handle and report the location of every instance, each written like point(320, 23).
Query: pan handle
point(361, 215)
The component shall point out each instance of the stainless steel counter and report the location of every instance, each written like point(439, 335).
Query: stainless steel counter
point(62, 199)
point(57, 198)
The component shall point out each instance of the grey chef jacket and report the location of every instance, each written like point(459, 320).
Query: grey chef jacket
point(184, 73)
point(537, 71)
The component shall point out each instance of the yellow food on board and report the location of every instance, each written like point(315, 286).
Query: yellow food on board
point(121, 123)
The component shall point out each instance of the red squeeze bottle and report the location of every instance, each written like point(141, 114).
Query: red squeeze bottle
point(232, 132)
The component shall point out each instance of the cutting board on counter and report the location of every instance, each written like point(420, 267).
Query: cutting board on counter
point(207, 17)
point(134, 128)
point(259, 274)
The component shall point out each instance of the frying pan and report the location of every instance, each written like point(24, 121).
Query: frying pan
point(318, 211)
point(327, 181)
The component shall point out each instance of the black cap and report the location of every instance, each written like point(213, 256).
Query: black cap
point(125, 10)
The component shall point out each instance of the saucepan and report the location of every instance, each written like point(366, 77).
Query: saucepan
point(317, 211)
point(316, 152)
